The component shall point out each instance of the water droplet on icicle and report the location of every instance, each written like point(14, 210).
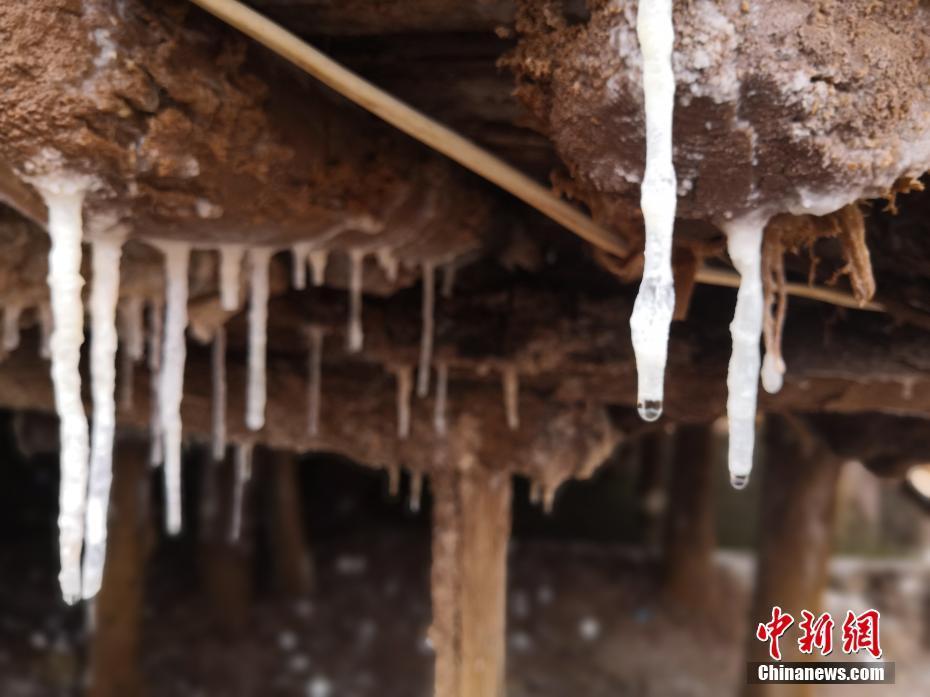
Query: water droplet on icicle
point(511, 384)
point(314, 379)
point(442, 390)
point(64, 198)
point(243, 475)
point(773, 373)
point(655, 301)
point(256, 388)
point(426, 333)
point(218, 416)
point(106, 254)
point(11, 316)
point(230, 268)
point(744, 243)
point(171, 389)
point(354, 336)
point(404, 377)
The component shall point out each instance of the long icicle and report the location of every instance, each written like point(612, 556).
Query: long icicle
point(314, 378)
point(106, 254)
point(511, 384)
point(744, 243)
point(404, 376)
point(230, 268)
point(64, 200)
point(442, 390)
point(427, 320)
point(318, 259)
point(218, 365)
point(299, 253)
point(243, 475)
point(355, 336)
point(171, 389)
point(655, 301)
point(156, 330)
point(11, 315)
point(256, 389)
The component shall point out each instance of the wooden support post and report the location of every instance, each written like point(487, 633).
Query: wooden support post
point(293, 566)
point(471, 526)
point(690, 537)
point(114, 652)
point(799, 483)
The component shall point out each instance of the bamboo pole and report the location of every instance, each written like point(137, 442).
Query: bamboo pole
point(452, 145)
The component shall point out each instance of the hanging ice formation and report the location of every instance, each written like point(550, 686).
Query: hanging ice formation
point(416, 490)
point(218, 416)
point(744, 243)
point(404, 378)
point(11, 314)
point(132, 341)
point(256, 389)
point(64, 198)
point(655, 301)
point(355, 336)
point(318, 259)
point(171, 388)
point(426, 336)
point(314, 376)
point(243, 475)
point(388, 263)
point(230, 267)
point(299, 253)
point(45, 329)
point(511, 384)
point(106, 253)
point(156, 322)
point(442, 391)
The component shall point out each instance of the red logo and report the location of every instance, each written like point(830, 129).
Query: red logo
point(860, 632)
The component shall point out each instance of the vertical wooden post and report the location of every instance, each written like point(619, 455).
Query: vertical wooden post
point(799, 483)
point(471, 527)
point(292, 563)
point(114, 652)
point(690, 537)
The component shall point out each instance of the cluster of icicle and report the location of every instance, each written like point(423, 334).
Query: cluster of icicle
point(655, 301)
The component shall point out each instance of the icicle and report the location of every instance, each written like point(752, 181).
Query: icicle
point(64, 199)
point(548, 497)
point(393, 480)
point(448, 279)
point(230, 267)
point(388, 263)
point(416, 490)
point(442, 389)
point(536, 492)
point(243, 475)
point(355, 336)
point(45, 329)
point(11, 315)
point(744, 243)
point(775, 292)
point(404, 377)
point(299, 253)
point(511, 396)
point(106, 253)
point(218, 365)
point(318, 260)
point(655, 301)
point(156, 433)
point(171, 388)
point(256, 389)
point(132, 342)
point(426, 336)
point(314, 374)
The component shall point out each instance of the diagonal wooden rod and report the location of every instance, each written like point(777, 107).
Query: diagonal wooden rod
point(454, 146)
